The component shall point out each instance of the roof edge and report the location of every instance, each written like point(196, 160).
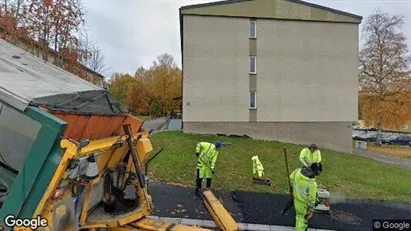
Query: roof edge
point(272, 18)
point(327, 9)
point(194, 6)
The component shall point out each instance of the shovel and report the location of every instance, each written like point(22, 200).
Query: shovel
point(290, 202)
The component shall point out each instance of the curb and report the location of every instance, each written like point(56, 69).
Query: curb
point(241, 226)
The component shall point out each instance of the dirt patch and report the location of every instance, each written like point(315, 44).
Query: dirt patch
point(345, 217)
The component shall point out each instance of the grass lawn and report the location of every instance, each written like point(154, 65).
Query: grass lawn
point(143, 118)
point(391, 150)
point(346, 175)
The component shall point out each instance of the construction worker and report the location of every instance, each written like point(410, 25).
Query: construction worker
point(310, 155)
point(304, 193)
point(207, 154)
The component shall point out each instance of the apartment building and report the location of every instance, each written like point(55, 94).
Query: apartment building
point(281, 70)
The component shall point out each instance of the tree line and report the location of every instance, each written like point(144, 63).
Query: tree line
point(51, 24)
point(150, 92)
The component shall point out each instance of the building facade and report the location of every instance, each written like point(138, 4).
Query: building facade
point(281, 70)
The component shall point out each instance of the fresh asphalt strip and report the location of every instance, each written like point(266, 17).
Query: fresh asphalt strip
point(265, 209)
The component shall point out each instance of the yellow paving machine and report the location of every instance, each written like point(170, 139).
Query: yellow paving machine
point(71, 157)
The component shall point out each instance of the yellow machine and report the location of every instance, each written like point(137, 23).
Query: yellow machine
point(99, 185)
point(71, 156)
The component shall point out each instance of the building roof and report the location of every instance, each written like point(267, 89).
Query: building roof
point(28, 80)
point(54, 52)
point(27, 39)
point(275, 9)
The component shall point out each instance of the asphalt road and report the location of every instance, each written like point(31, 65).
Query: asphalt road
point(154, 124)
point(259, 208)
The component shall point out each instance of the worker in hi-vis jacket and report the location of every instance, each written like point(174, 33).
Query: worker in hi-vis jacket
point(304, 193)
point(310, 155)
point(207, 154)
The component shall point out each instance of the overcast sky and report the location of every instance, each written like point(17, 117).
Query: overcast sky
point(133, 33)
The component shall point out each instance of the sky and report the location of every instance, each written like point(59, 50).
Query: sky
point(132, 33)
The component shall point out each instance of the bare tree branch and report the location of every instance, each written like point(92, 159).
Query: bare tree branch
point(94, 57)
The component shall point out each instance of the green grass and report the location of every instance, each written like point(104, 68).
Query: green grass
point(343, 174)
point(143, 118)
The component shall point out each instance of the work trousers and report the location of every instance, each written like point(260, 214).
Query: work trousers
point(301, 224)
point(200, 180)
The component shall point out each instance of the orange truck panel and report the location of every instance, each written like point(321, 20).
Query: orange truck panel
point(95, 127)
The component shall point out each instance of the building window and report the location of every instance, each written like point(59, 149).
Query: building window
point(253, 100)
point(253, 65)
point(253, 29)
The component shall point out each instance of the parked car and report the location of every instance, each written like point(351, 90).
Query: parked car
point(388, 139)
point(401, 140)
point(366, 136)
point(356, 134)
point(359, 136)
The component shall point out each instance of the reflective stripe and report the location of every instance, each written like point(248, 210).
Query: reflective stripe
point(205, 159)
point(202, 155)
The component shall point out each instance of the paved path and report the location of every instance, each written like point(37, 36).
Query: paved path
point(155, 124)
point(264, 208)
point(392, 160)
point(174, 125)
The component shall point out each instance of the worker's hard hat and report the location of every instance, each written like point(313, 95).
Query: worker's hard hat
point(313, 146)
point(317, 168)
point(218, 144)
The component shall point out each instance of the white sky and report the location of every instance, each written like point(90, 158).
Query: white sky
point(133, 33)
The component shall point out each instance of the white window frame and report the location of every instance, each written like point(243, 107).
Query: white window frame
point(255, 100)
point(255, 29)
point(255, 64)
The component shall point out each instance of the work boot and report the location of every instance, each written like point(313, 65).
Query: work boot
point(198, 192)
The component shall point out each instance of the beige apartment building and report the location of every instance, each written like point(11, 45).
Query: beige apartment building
point(283, 70)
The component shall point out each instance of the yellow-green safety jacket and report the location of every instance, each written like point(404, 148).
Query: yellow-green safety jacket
point(208, 156)
point(307, 157)
point(304, 189)
point(257, 166)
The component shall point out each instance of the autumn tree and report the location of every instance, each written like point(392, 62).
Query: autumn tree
point(12, 14)
point(53, 23)
point(121, 86)
point(384, 69)
point(152, 90)
point(166, 81)
point(140, 98)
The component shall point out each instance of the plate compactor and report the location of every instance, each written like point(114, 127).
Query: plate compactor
point(323, 201)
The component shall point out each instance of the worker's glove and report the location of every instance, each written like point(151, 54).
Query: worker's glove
point(197, 154)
